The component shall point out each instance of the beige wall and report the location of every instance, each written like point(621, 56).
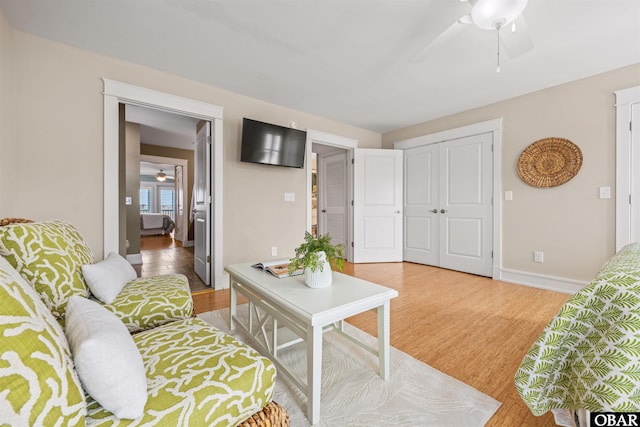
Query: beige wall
point(58, 117)
point(6, 117)
point(570, 224)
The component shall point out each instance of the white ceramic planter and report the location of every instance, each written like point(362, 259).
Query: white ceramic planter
point(321, 278)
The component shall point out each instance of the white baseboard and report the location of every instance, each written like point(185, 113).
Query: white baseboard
point(134, 259)
point(188, 243)
point(551, 283)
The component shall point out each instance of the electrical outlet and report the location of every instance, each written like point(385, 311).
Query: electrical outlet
point(274, 251)
point(538, 256)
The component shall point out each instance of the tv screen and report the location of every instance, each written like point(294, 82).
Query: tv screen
point(272, 145)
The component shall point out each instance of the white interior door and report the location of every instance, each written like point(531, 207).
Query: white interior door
point(634, 225)
point(377, 204)
point(422, 205)
point(466, 211)
point(332, 196)
point(201, 212)
point(448, 204)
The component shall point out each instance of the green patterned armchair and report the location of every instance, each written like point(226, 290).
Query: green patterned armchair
point(176, 370)
point(51, 254)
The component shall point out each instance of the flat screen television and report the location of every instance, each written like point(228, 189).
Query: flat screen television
point(272, 144)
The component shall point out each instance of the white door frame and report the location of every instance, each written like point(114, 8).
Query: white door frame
point(625, 167)
point(116, 93)
point(349, 144)
point(495, 127)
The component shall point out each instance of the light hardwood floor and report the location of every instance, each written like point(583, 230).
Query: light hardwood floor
point(472, 328)
point(164, 255)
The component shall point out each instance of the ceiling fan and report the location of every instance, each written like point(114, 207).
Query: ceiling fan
point(502, 16)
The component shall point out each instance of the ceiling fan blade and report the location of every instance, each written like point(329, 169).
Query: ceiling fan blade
point(454, 29)
point(517, 42)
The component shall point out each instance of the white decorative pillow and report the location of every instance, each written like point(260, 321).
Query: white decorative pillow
point(107, 278)
point(106, 358)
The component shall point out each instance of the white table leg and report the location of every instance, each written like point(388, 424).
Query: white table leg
point(233, 303)
point(383, 339)
point(314, 372)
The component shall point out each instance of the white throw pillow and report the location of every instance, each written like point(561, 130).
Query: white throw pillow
point(107, 278)
point(106, 358)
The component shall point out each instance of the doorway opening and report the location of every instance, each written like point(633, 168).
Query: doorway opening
point(319, 146)
point(161, 146)
point(117, 95)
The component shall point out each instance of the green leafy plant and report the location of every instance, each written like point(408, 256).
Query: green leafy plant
point(307, 254)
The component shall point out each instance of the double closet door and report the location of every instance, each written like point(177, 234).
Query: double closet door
point(448, 206)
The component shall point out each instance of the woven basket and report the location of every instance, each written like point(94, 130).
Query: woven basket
point(549, 162)
point(8, 221)
point(272, 415)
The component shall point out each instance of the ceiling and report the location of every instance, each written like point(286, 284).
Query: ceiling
point(345, 60)
point(162, 128)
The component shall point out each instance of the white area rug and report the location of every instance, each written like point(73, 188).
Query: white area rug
point(353, 394)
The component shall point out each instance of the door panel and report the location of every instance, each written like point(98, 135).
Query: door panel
point(421, 165)
point(377, 205)
point(202, 204)
point(467, 189)
point(332, 196)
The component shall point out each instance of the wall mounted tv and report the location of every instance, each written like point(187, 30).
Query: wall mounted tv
point(272, 144)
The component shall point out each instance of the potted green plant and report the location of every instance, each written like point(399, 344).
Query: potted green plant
point(316, 256)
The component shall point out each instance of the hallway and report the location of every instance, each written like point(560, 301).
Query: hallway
point(164, 255)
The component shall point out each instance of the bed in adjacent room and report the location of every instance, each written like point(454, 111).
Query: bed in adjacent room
point(155, 223)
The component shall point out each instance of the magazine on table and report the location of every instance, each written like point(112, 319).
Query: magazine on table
point(279, 268)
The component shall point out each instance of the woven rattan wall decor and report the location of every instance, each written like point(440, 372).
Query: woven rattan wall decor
point(549, 162)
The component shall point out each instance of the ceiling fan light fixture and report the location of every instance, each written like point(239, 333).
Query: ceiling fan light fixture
point(161, 176)
point(494, 14)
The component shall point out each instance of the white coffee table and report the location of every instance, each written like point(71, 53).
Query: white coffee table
point(285, 311)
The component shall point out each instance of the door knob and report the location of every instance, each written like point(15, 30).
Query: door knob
point(195, 211)
point(443, 211)
point(434, 210)
point(323, 211)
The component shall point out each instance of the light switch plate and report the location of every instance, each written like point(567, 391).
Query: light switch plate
point(605, 192)
point(289, 197)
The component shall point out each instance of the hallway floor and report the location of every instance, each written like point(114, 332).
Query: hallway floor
point(164, 255)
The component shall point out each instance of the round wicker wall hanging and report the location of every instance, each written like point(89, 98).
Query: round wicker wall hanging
point(549, 162)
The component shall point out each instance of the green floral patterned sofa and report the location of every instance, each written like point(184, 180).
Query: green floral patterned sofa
point(51, 255)
point(94, 372)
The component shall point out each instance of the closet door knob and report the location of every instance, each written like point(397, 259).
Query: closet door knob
point(443, 211)
point(434, 210)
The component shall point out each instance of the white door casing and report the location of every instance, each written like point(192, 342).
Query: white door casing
point(627, 166)
point(116, 93)
point(332, 196)
point(201, 213)
point(377, 212)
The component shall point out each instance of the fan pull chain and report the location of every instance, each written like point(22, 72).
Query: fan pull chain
point(498, 48)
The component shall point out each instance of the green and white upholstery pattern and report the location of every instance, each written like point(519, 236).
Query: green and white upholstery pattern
point(148, 302)
point(38, 383)
point(50, 256)
point(588, 356)
point(196, 375)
